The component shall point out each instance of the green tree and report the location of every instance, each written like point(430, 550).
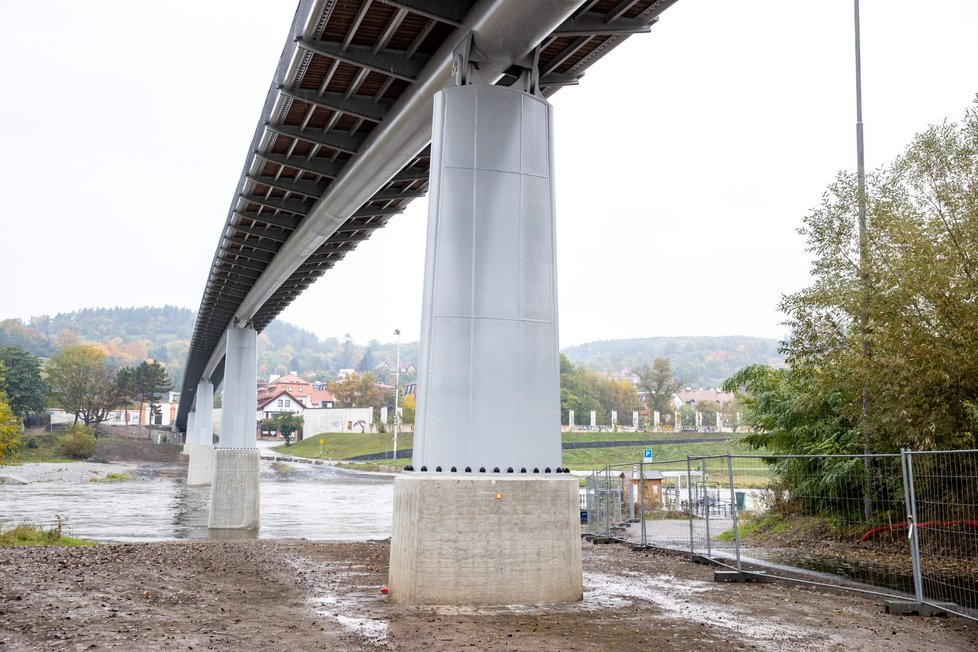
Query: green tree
point(359, 390)
point(792, 412)
point(82, 384)
point(10, 429)
point(344, 359)
point(22, 381)
point(367, 361)
point(287, 424)
point(659, 384)
point(408, 407)
point(583, 390)
point(78, 442)
point(146, 383)
point(921, 368)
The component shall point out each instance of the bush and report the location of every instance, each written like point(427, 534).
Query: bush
point(78, 442)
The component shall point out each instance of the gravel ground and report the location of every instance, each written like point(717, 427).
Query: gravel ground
point(61, 472)
point(287, 594)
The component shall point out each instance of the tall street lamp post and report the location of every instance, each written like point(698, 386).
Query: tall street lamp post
point(397, 387)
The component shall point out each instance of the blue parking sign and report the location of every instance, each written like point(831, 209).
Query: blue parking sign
point(647, 455)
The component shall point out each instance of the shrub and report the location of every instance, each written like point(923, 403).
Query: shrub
point(78, 442)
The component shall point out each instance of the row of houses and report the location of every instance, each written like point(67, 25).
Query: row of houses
point(686, 396)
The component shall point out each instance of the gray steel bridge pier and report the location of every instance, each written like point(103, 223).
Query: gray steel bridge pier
point(237, 467)
point(200, 437)
point(487, 517)
point(340, 148)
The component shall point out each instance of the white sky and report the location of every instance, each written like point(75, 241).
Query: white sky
point(686, 158)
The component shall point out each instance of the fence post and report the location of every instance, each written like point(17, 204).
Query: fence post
point(689, 503)
point(641, 499)
point(918, 583)
point(733, 510)
point(706, 504)
point(631, 495)
point(607, 502)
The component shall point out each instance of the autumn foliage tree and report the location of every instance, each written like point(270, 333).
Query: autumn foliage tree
point(83, 384)
point(918, 292)
point(359, 390)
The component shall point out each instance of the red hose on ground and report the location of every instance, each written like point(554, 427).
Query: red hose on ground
point(886, 528)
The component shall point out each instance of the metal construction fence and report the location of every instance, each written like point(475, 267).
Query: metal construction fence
point(902, 526)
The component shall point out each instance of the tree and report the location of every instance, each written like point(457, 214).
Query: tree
point(82, 384)
point(920, 367)
point(344, 360)
point(145, 383)
point(10, 429)
point(358, 390)
point(78, 441)
point(367, 361)
point(583, 390)
point(288, 423)
point(659, 384)
point(22, 382)
point(408, 406)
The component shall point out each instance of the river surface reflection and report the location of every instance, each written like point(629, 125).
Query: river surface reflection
point(318, 503)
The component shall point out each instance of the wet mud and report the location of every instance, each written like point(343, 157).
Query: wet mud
point(293, 594)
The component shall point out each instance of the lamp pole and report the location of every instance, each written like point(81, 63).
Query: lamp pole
point(397, 386)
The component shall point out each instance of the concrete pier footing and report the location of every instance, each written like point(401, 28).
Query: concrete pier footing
point(485, 539)
point(200, 469)
point(235, 489)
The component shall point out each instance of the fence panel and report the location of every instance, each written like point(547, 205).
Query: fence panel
point(848, 521)
point(945, 516)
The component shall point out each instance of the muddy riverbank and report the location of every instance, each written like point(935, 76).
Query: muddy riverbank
point(293, 594)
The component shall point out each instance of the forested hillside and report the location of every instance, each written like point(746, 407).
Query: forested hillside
point(696, 361)
point(130, 335)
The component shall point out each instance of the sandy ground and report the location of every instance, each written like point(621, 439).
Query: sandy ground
point(300, 595)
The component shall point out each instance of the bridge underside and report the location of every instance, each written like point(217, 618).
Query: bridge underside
point(342, 143)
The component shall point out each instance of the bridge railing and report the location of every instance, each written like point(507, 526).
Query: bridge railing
point(900, 526)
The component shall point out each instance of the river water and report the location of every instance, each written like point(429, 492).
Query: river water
point(310, 502)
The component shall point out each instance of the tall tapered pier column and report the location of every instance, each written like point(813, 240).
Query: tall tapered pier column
point(191, 419)
point(237, 470)
point(486, 517)
point(200, 436)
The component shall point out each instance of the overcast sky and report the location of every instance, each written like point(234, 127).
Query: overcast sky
point(686, 159)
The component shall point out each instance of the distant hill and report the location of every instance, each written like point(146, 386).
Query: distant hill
point(696, 361)
point(131, 335)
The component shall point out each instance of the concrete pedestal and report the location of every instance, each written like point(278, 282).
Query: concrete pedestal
point(200, 470)
point(235, 489)
point(479, 539)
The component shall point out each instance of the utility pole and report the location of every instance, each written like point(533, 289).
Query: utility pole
point(863, 264)
point(397, 386)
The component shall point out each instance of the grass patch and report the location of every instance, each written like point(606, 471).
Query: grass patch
point(41, 447)
point(125, 476)
point(33, 535)
point(773, 529)
point(569, 437)
point(340, 446)
point(667, 457)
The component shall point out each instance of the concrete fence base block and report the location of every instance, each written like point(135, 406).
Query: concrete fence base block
point(235, 489)
point(200, 469)
point(485, 540)
point(911, 608)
